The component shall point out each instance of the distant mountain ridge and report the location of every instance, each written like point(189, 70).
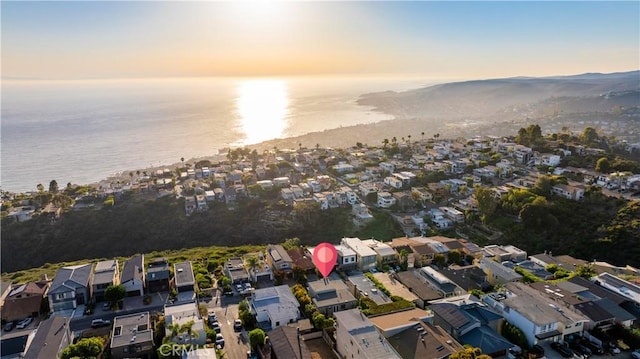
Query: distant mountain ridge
point(495, 97)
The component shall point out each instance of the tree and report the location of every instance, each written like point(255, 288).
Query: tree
point(291, 243)
point(385, 143)
point(455, 256)
point(40, 187)
point(187, 328)
point(487, 203)
point(174, 329)
point(252, 263)
point(585, 271)
point(589, 135)
point(53, 186)
point(543, 186)
point(114, 294)
point(256, 338)
point(84, 348)
point(603, 165)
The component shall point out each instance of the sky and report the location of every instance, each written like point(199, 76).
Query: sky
point(123, 39)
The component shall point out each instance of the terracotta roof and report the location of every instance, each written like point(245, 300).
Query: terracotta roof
point(300, 258)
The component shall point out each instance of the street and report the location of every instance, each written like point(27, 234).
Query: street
point(226, 310)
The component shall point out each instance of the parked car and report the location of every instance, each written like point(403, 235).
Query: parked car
point(536, 351)
point(581, 350)
point(612, 348)
point(636, 354)
point(563, 349)
point(8, 327)
point(24, 323)
point(216, 326)
point(220, 340)
point(96, 323)
point(595, 348)
point(212, 318)
point(106, 306)
point(237, 325)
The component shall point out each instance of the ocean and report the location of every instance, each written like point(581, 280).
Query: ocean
point(85, 131)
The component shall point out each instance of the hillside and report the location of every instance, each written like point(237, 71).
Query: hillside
point(482, 98)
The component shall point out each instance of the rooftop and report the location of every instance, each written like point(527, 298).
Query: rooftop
point(368, 288)
point(49, 337)
point(183, 273)
point(108, 265)
point(286, 343)
point(71, 277)
point(393, 320)
point(372, 344)
point(417, 286)
point(359, 247)
point(131, 329)
point(133, 269)
point(424, 340)
point(536, 307)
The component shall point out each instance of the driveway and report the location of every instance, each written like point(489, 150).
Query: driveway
point(226, 309)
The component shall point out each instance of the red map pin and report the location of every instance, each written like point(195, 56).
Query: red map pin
point(324, 257)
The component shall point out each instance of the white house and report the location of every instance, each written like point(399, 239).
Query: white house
point(393, 182)
point(385, 200)
point(274, 306)
point(179, 315)
point(387, 166)
point(365, 256)
point(357, 337)
point(539, 320)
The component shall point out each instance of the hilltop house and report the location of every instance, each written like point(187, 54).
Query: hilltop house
point(133, 278)
point(24, 300)
point(72, 286)
point(106, 273)
point(331, 294)
point(184, 281)
point(356, 336)
point(158, 275)
point(274, 306)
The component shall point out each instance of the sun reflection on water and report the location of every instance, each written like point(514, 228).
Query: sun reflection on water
point(263, 108)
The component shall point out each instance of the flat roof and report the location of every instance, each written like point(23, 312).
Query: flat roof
point(536, 307)
point(399, 319)
point(183, 273)
point(131, 329)
point(369, 289)
point(372, 344)
point(395, 287)
point(360, 248)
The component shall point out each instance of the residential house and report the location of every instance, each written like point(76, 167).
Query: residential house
point(301, 259)
point(599, 317)
point(190, 205)
point(469, 277)
point(505, 253)
point(201, 203)
point(235, 270)
point(356, 336)
point(184, 281)
point(281, 182)
point(274, 306)
point(384, 252)
point(347, 258)
point(262, 272)
point(391, 324)
point(424, 340)
point(531, 267)
point(132, 336)
point(387, 167)
point(438, 218)
point(24, 300)
point(575, 193)
point(498, 274)
point(158, 276)
point(265, 184)
point(439, 282)
point(361, 214)
point(71, 287)
point(421, 194)
point(5, 288)
point(331, 295)
point(343, 167)
point(419, 254)
point(365, 257)
point(404, 200)
point(393, 182)
point(50, 339)
point(367, 188)
point(453, 214)
point(539, 320)
point(278, 258)
point(286, 342)
point(360, 286)
point(133, 276)
point(418, 287)
point(105, 274)
point(385, 200)
point(180, 314)
point(619, 286)
point(473, 324)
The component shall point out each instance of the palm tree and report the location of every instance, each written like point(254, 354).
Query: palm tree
point(187, 328)
point(182, 160)
point(408, 138)
point(252, 264)
point(394, 140)
point(175, 331)
point(422, 134)
point(385, 142)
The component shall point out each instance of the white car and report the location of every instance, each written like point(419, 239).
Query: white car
point(636, 354)
point(220, 340)
point(24, 323)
